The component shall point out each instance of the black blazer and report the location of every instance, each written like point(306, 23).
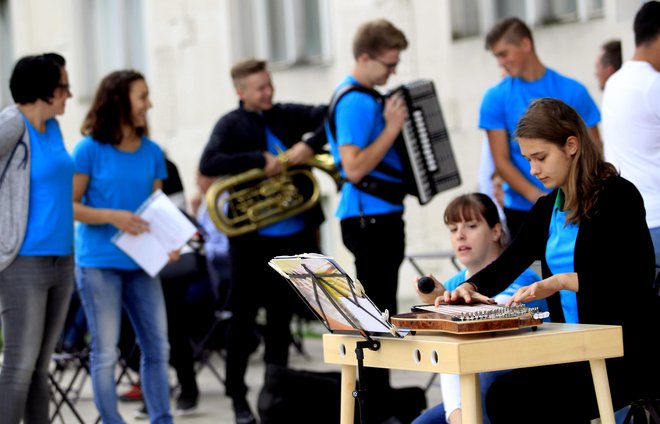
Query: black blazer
point(615, 263)
point(239, 138)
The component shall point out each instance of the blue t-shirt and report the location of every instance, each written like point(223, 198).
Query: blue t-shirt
point(117, 180)
point(559, 254)
point(359, 121)
point(504, 104)
point(525, 279)
point(50, 214)
point(288, 226)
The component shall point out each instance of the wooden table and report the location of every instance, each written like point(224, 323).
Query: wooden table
point(468, 355)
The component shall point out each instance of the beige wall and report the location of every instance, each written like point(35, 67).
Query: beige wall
point(189, 53)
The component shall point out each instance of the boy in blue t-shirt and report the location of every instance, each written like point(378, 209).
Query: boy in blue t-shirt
point(527, 79)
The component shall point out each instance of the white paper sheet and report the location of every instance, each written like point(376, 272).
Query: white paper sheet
point(169, 229)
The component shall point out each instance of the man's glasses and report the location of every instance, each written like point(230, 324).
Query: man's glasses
point(65, 87)
point(390, 66)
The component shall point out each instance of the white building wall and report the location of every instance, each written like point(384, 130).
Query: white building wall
point(189, 50)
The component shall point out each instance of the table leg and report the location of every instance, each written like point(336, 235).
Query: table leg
point(471, 399)
point(602, 387)
point(347, 399)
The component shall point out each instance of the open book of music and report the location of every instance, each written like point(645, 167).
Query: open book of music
point(335, 298)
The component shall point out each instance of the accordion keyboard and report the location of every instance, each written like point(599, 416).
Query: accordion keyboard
point(427, 142)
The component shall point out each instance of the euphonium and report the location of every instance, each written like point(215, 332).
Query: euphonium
point(248, 201)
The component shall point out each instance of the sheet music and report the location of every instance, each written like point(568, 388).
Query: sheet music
point(337, 300)
point(169, 229)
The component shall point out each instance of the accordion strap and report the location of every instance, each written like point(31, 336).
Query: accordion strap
point(391, 191)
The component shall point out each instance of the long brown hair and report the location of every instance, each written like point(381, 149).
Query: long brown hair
point(554, 121)
point(111, 108)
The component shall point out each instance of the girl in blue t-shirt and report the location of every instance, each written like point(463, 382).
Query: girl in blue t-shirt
point(477, 238)
point(117, 169)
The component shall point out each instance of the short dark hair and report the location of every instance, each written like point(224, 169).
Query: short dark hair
point(36, 77)
point(374, 37)
point(246, 68)
point(111, 108)
point(612, 54)
point(512, 29)
point(647, 23)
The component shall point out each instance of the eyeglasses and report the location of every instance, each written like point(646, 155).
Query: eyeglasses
point(389, 66)
point(65, 87)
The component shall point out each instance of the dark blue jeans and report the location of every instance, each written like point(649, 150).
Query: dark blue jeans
point(34, 298)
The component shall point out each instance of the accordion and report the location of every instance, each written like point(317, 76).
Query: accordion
point(424, 147)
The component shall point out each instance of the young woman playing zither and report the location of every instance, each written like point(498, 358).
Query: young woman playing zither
point(598, 268)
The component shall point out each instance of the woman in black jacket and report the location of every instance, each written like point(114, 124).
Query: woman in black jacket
point(591, 237)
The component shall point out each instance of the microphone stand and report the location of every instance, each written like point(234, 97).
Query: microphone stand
point(360, 385)
point(368, 343)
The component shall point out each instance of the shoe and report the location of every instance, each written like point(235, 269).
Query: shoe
point(134, 394)
point(185, 406)
point(141, 414)
point(243, 413)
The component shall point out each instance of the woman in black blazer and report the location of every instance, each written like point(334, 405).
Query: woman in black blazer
point(598, 263)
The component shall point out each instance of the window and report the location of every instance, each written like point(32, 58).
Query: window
point(465, 18)
point(6, 49)
point(112, 38)
point(284, 32)
point(475, 17)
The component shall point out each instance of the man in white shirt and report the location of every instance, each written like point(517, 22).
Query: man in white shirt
point(608, 61)
point(631, 117)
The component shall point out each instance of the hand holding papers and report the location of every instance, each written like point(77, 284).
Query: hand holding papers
point(169, 229)
point(339, 302)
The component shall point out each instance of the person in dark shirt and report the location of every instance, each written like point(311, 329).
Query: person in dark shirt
point(251, 137)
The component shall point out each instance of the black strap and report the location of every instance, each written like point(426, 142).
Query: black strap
point(339, 94)
point(23, 162)
point(391, 191)
point(640, 408)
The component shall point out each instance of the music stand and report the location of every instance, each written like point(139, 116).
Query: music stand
point(340, 303)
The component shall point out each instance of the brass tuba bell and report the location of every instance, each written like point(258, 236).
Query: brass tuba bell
point(246, 202)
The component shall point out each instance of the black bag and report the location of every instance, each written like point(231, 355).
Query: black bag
point(299, 397)
point(643, 411)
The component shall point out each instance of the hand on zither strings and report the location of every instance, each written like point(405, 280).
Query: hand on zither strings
point(465, 292)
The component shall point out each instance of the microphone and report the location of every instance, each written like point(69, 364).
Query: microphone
point(426, 285)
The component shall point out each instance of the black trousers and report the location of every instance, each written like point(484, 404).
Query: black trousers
point(186, 313)
point(549, 394)
point(378, 245)
point(255, 284)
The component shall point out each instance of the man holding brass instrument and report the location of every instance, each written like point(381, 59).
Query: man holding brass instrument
point(262, 135)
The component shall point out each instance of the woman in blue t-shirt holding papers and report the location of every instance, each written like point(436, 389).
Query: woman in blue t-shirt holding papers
point(117, 169)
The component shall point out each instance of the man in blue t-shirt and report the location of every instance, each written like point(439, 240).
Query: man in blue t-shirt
point(365, 130)
point(527, 79)
point(361, 132)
